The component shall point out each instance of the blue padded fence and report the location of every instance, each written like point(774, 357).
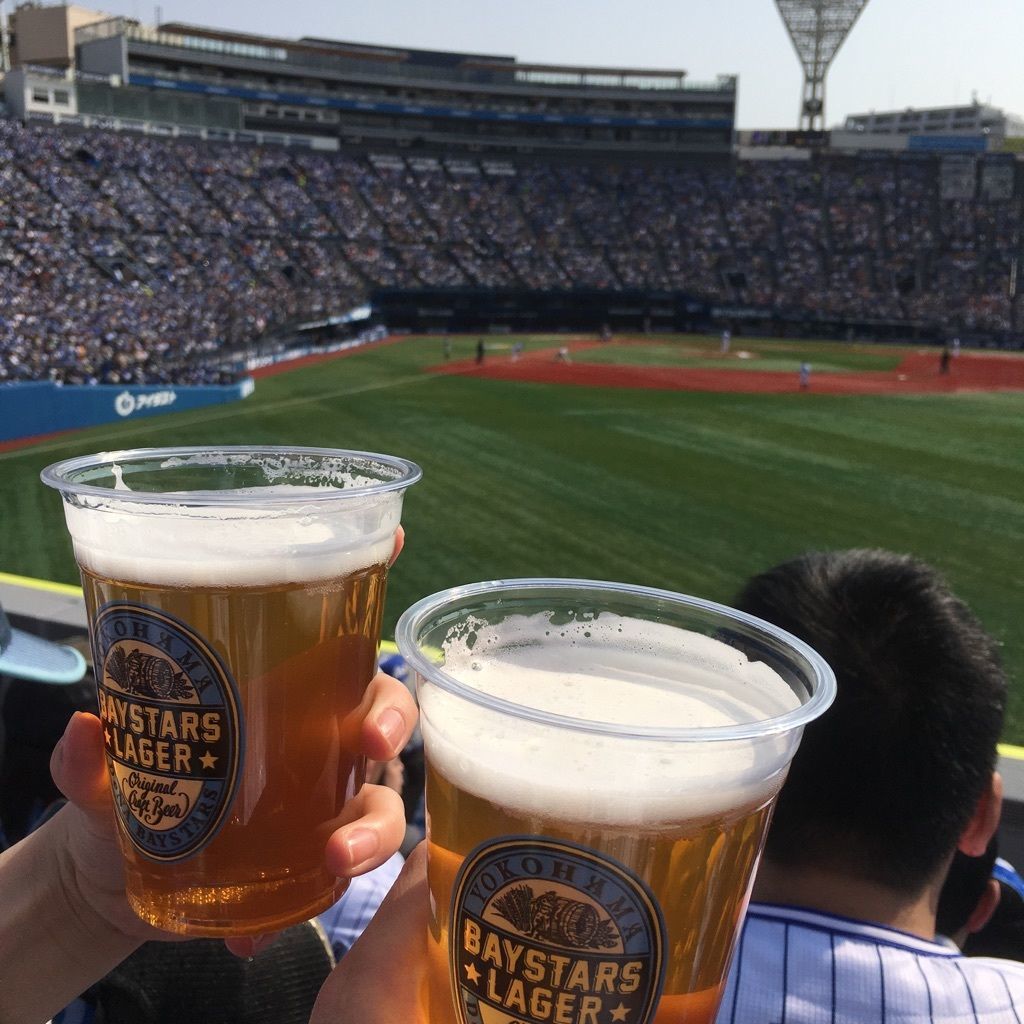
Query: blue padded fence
point(42, 407)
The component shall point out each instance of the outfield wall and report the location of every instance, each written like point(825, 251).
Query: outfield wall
point(472, 310)
point(43, 407)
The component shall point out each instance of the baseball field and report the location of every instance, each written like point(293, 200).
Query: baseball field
point(661, 461)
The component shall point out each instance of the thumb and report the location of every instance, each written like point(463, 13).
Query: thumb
point(78, 765)
point(90, 849)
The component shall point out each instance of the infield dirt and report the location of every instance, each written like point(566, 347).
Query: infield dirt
point(917, 373)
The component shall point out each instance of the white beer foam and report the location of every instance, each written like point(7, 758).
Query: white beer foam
point(225, 545)
point(625, 672)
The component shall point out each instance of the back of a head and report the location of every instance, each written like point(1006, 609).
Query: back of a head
point(885, 782)
point(202, 983)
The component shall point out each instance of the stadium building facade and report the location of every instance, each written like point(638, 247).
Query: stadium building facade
point(334, 94)
point(940, 127)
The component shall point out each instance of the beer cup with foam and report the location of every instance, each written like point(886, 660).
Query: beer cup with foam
point(234, 598)
point(602, 761)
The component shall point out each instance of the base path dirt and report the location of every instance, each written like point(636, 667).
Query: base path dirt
point(917, 373)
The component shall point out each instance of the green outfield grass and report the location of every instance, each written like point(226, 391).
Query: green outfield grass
point(687, 491)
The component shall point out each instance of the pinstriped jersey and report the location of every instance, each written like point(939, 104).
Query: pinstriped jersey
point(794, 966)
point(345, 920)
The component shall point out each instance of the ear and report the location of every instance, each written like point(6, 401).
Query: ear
point(983, 824)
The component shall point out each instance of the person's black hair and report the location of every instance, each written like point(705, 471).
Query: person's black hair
point(885, 782)
point(202, 983)
point(965, 884)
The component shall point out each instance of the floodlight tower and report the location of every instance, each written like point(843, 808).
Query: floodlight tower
point(817, 28)
point(5, 43)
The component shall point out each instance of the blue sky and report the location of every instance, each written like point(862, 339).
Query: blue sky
point(901, 52)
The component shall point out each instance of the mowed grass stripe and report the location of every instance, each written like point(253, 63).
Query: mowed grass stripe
point(692, 492)
point(983, 430)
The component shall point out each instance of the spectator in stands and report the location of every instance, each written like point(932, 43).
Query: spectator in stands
point(885, 788)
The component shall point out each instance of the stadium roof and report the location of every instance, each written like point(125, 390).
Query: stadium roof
point(322, 46)
point(405, 55)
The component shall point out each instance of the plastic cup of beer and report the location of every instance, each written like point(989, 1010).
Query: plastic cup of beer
point(602, 762)
point(234, 598)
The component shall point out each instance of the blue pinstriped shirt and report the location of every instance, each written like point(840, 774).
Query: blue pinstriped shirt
point(345, 921)
point(795, 966)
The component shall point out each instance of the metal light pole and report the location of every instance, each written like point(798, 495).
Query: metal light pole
point(5, 48)
point(817, 29)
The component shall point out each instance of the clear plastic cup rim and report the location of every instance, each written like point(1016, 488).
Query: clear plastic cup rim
point(59, 475)
point(413, 618)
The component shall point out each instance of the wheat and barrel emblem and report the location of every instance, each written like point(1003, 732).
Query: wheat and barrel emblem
point(147, 675)
point(556, 919)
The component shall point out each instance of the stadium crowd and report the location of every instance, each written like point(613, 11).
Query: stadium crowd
point(129, 259)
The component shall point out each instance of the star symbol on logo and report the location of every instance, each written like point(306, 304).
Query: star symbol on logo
point(106, 736)
point(208, 761)
point(472, 973)
point(620, 1011)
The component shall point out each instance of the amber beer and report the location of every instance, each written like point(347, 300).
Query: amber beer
point(234, 631)
point(698, 873)
point(602, 763)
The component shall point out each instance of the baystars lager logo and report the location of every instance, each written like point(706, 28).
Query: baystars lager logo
point(171, 728)
point(547, 931)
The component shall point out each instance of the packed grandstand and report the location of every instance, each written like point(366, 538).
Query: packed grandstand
point(155, 254)
point(129, 259)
